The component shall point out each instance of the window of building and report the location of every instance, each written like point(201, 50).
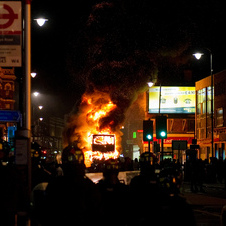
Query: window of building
point(220, 119)
point(209, 99)
point(191, 125)
point(7, 106)
point(223, 150)
point(8, 87)
point(201, 101)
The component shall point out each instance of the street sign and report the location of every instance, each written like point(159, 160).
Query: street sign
point(10, 33)
point(9, 116)
point(7, 18)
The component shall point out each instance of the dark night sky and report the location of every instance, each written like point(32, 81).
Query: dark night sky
point(59, 47)
point(50, 45)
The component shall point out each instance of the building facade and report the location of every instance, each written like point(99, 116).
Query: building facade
point(203, 116)
point(48, 134)
point(7, 100)
point(220, 114)
point(7, 88)
point(180, 127)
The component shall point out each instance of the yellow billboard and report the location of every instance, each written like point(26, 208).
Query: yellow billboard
point(174, 100)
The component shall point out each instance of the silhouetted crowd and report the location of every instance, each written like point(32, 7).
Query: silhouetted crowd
point(64, 195)
point(152, 198)
point(199, 171)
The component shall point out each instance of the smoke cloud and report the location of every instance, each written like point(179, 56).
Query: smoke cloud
point(120, 51)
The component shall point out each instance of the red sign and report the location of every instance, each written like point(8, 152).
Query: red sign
point(6, 20)
point(169, 139)
point(10, 33)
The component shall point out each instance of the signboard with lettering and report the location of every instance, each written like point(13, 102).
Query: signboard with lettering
point(9, 116)
point(10, 33)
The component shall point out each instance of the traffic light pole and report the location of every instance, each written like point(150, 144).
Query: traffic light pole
point(149, 151)
point(149, 146)
point(162, 148)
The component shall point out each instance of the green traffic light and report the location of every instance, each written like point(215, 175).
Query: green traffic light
point(161, 127)
point(149, 137)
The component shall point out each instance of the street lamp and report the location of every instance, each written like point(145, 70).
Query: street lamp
point(198, 55)
point(36, 94)
point(33, 74)
point(150, 84)
point(41, 21)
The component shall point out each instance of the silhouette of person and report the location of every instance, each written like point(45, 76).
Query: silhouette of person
point(114, 195)
point(156, 204)
point(71, 198)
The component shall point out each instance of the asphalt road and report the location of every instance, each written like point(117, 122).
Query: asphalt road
point(207, 206)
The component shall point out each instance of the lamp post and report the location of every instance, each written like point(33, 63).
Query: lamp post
point(198, 55)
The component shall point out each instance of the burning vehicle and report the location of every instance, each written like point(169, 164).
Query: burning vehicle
point(96, 128)
point(103, 143)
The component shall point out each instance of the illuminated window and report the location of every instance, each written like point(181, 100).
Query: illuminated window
point(209, 100)
point(201, 101)
point(220, 118)
point(7, 106)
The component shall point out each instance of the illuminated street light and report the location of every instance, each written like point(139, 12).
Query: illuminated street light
point(36, 94)
point(198, 55)
point(41, 21)
point(40, 107)
point(33, 74)
point(41, 119)
point(150, 84)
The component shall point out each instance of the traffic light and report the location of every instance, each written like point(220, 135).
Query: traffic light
point(161, 127)
point(147, 130)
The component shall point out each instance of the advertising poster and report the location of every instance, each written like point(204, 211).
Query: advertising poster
point(10, 34)
point(174, 100)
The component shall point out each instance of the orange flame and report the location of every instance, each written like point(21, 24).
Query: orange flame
point(96, 107)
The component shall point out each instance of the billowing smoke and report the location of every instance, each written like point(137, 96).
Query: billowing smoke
point(119, 52)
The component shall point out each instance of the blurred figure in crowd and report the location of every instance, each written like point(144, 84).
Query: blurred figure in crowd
point(114, 195)
point(154, 203)
point(71, 198)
